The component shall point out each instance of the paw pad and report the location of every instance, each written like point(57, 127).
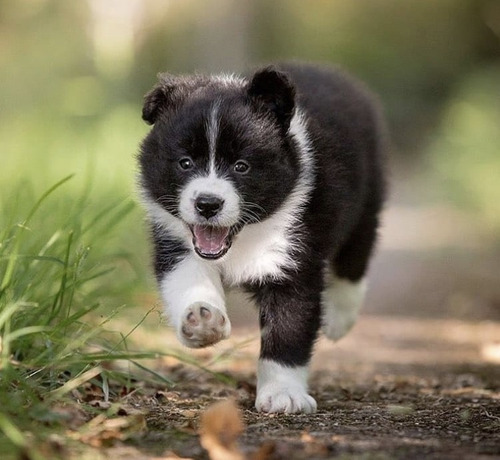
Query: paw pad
point(203, 325)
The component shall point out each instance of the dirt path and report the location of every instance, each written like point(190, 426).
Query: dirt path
point(394, 389)
point(417, 378)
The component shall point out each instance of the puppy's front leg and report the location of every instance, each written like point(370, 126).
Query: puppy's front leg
point(194, 300)
point(289, 324)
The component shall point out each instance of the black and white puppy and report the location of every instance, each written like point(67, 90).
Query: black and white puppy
point(272, 183)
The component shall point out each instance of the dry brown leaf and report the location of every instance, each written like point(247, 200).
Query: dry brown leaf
point(168, 395)
point(306, 437)
point(265, 451)
point(102, 431)
point(220, 426)
point(100, 404)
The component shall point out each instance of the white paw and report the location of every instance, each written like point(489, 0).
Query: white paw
point(285, 399)
point(203, 325)
point(282, 388)
point(341, 302)
point(338, 322)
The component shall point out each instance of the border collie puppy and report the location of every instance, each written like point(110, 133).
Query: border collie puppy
point(271, 183)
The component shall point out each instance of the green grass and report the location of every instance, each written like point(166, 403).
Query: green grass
point(60, 273)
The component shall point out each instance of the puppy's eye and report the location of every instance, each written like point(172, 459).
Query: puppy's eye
point(241, 167)
point(185, 163)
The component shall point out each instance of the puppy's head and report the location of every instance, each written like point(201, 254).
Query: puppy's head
point(219, 156)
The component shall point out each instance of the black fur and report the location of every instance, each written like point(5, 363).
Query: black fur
point(167, 251)
point(290, 313)
point(349, 143)
point(273, 90)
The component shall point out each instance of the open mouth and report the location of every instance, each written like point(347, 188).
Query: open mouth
point(211, 242)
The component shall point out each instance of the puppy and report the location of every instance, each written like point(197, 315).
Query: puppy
point(272, 183)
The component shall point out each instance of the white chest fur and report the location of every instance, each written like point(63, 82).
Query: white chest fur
point(259, 251)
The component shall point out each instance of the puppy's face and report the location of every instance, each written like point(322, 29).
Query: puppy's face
point(218, 156)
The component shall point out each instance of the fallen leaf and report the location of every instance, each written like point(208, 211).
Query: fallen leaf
point(220, 426)
point(265, 451)
point(101, 431)
point(168, 395)
point(100, 404)
point(306, 437)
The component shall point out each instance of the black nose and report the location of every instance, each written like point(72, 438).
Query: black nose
point(208, 205)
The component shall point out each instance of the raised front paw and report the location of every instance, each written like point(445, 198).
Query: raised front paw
point(284, 399)
point(203, 325)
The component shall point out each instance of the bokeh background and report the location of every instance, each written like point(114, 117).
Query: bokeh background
point(73, 75)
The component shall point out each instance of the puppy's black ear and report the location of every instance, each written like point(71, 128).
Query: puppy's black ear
point(168, 94)
point(153, 103)
point(158, 99)
point(273, 91)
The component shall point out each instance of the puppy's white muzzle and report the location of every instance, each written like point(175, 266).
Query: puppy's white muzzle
point(222, 190)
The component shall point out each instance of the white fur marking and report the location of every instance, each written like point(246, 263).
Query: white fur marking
point(212, 134)
point(229, 80)
point(190, 285)
point(230, 212)
point(341, 302)
point(282, 389)
point(168, 222)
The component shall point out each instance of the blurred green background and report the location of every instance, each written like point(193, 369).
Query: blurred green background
point(73, 75)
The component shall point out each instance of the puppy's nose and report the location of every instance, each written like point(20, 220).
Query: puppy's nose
point(208, 205)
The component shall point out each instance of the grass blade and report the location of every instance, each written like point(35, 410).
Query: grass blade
point(74, 383)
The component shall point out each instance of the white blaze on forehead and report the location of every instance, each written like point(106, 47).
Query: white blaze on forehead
point(212, 134)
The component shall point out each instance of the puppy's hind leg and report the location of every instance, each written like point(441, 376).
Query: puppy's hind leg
point(345, 281)
point(341, 302)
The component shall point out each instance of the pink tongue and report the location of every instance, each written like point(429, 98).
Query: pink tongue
point(210, 240)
